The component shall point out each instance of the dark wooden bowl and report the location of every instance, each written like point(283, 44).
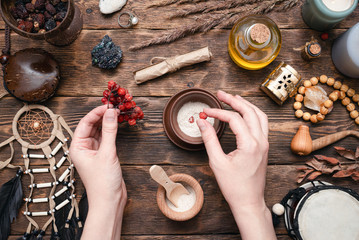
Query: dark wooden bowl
point(170, 117)
point(65, 33)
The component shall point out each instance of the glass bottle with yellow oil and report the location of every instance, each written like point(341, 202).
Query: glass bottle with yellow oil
point(254, 42)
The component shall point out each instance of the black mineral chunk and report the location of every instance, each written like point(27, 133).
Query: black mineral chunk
point(106, 54)
point(50, 24)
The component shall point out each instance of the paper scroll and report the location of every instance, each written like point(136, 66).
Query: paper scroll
point(172, 64)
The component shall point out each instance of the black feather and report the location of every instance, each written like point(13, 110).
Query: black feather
point(83, 207)
point(10, 203)
point(61, 215)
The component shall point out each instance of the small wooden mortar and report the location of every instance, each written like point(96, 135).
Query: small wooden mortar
point(181, 216)
point(302, 143)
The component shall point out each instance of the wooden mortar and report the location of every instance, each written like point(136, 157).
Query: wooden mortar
point(181, 216)
point(302, 143)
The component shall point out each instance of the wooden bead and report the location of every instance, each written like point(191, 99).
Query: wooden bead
point(351, 107)
point(306, 116)
point(313, 118)
point(324, 110)
point(337, 85)
point(328, 104)
point(351, 92)
point(333, 96)
point(297, 105)
point(331, 81)
point(307, 83)
point(323, 79)
point(344, 88)
point(320, 117)
point(356, 98)
point(354, 114)
point(314, 81)
point(299, 113)
point(346, 101)
point(301, 90)
point(342, 95)
point(357, 120)
point(299, 98)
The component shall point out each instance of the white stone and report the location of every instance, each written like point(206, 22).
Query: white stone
point(278, 209)
point(111, 6)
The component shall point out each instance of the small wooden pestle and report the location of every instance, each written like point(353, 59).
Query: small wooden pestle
point(302, 143)
point(173, 190)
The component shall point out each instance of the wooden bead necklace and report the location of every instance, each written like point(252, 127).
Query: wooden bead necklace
point(342, 92)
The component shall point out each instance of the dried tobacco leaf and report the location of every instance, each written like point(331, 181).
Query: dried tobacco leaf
point(348, 154)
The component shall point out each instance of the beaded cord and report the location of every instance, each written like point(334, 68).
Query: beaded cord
point(342, 92)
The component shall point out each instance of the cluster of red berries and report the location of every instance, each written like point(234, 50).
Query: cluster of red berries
point(121, 99)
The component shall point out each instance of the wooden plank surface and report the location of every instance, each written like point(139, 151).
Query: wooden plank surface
point(82, 85)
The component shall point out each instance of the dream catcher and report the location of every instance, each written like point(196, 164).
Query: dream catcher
point(39, 132)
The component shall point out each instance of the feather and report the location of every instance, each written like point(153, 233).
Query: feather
point(83, 207)
point(61, 216)
point(10, 202)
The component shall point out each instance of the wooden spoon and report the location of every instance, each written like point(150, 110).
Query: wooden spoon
point(173, 190)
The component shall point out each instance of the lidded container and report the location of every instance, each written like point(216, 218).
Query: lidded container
point(345, 52)
point(282, 83)
point(254, 42)
point(323, 15)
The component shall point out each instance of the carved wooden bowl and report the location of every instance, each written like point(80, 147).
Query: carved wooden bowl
point(181, 216)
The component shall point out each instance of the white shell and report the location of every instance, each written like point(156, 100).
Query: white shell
point(278, 209)
point(111, 6)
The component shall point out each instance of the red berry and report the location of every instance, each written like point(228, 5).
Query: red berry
point(133, 103)
point(111, 85)
point(202, 115)
point(104, 100)
point(106, 93)
point(132, 122)
point(191, 119)
point(141, 115)
point(121, 107)
point(121, 118)
point(128, 97)
point(121, 91)
point(134, 116)
point(113, 100)
point(128, 105)
point(324, 36)
point(137, 109)
point(126, 117)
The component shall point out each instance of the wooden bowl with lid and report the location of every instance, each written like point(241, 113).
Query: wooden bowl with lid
point(186, 215)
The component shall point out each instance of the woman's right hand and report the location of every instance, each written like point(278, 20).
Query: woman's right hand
point(241, 174)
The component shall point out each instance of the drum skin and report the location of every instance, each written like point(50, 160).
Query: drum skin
point(328, 213)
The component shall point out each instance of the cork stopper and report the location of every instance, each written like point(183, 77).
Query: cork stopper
point(314, 49)
point(260, 33)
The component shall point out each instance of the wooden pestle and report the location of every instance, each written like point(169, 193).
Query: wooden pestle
point(302, 143)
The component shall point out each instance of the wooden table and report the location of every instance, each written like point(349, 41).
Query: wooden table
point(145, 144)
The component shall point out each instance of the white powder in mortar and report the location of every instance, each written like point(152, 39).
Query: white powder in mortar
point(185, 201)
point(188, 115)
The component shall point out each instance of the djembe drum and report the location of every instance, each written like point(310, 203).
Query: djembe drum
point(320, 210)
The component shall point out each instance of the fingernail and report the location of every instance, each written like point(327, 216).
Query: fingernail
point(110, 115)
point(202, 126)
point(239, 97)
